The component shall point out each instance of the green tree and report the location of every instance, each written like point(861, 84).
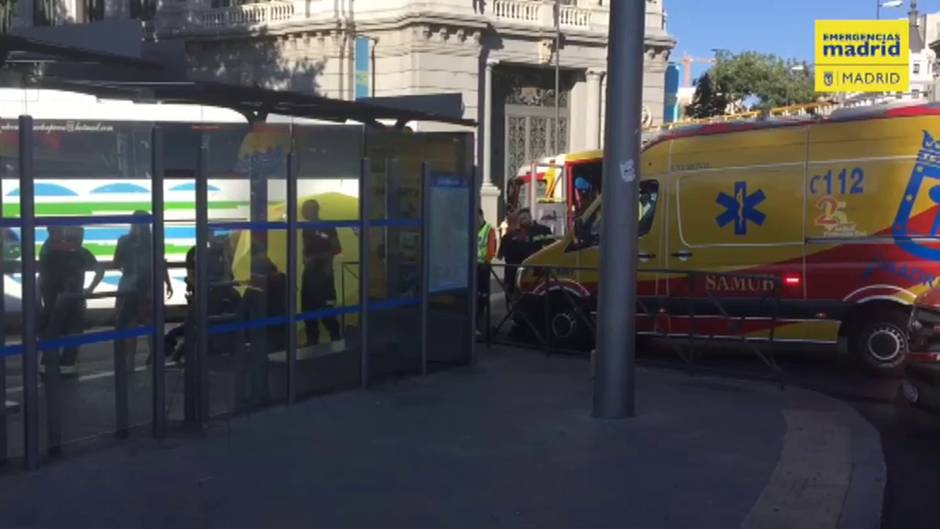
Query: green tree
point(709, 99)
point(751, 80)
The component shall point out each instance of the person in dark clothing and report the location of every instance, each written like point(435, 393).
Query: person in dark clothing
point(268, 290)
point(318, 286)
point(265, 297)
point(513, 248)
point(538, 235)
point(223, 299)
point(44, 279)
point(523, 238)
point(65, 263)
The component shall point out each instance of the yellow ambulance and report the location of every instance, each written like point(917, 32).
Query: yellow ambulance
point(841, 212)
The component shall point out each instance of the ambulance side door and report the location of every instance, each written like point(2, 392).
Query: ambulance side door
point(651, 227)
point(736, 226)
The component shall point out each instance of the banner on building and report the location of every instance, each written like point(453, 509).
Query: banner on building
point(862, 56)
point(363, 61)
point(671, 107)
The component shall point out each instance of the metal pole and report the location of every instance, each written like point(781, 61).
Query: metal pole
point(877, 9)
point(375, 42)
point(425, 261)
point(158, 354)
point(364, 209)
point(614, 369)
point(201, 369)
point(472, 206)
point(557, 76)
point(121, 405)
point(291, 280)
point(28, 303)
point(392, 235)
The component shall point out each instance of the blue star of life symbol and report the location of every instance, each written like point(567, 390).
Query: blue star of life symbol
point(741, 208)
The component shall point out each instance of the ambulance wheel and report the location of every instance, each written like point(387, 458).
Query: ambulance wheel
point(566, 329)
point(881, 344)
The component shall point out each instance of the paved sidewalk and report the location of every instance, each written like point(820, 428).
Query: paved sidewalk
point(507, 444)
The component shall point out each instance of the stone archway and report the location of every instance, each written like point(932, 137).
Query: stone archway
point(524, 117)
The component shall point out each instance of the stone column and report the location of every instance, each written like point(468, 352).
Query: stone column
point(593, 128)
point(489, 193)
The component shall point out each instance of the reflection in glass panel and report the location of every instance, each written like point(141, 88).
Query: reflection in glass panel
point(95, 293)
point(11, 361)
point(94, 280)
point(449, 330)
point(11, 373)
point(247, 268)
point(394, 304)
point(328, 167)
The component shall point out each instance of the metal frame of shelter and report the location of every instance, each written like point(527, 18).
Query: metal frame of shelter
point(45, 394)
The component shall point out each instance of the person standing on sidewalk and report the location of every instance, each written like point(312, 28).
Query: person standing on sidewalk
point(538, 235)
point(513, 248)
point(132, 256)
point(318, 286)
point(486, 251)
point(66, 263)
point(44, 279)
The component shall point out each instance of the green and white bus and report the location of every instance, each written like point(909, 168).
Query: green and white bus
point(92, 157)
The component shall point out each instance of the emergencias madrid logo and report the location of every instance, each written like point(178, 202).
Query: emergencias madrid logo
point(862, 56)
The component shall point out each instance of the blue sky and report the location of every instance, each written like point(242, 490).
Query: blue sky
point(760, 25)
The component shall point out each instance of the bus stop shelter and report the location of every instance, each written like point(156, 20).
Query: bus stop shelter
point(317, 256)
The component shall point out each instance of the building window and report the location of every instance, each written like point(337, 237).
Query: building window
point(916, 68)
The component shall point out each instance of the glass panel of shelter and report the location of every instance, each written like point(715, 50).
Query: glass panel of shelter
point(451, 224)
point(11, 365)
point(327, 165)
point(231, 194)
point(393, 188)
point(242, 232)
point(93, 243)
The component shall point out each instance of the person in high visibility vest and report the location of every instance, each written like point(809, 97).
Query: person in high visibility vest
point(486, 251)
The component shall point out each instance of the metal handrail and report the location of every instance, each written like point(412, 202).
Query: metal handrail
point(653, 308)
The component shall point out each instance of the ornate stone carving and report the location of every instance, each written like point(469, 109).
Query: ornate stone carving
point(423, 32)
point(546, 51)
point(535, 96)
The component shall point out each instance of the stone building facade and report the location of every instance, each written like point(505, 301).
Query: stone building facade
point(504, 49)
point(498, 54)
